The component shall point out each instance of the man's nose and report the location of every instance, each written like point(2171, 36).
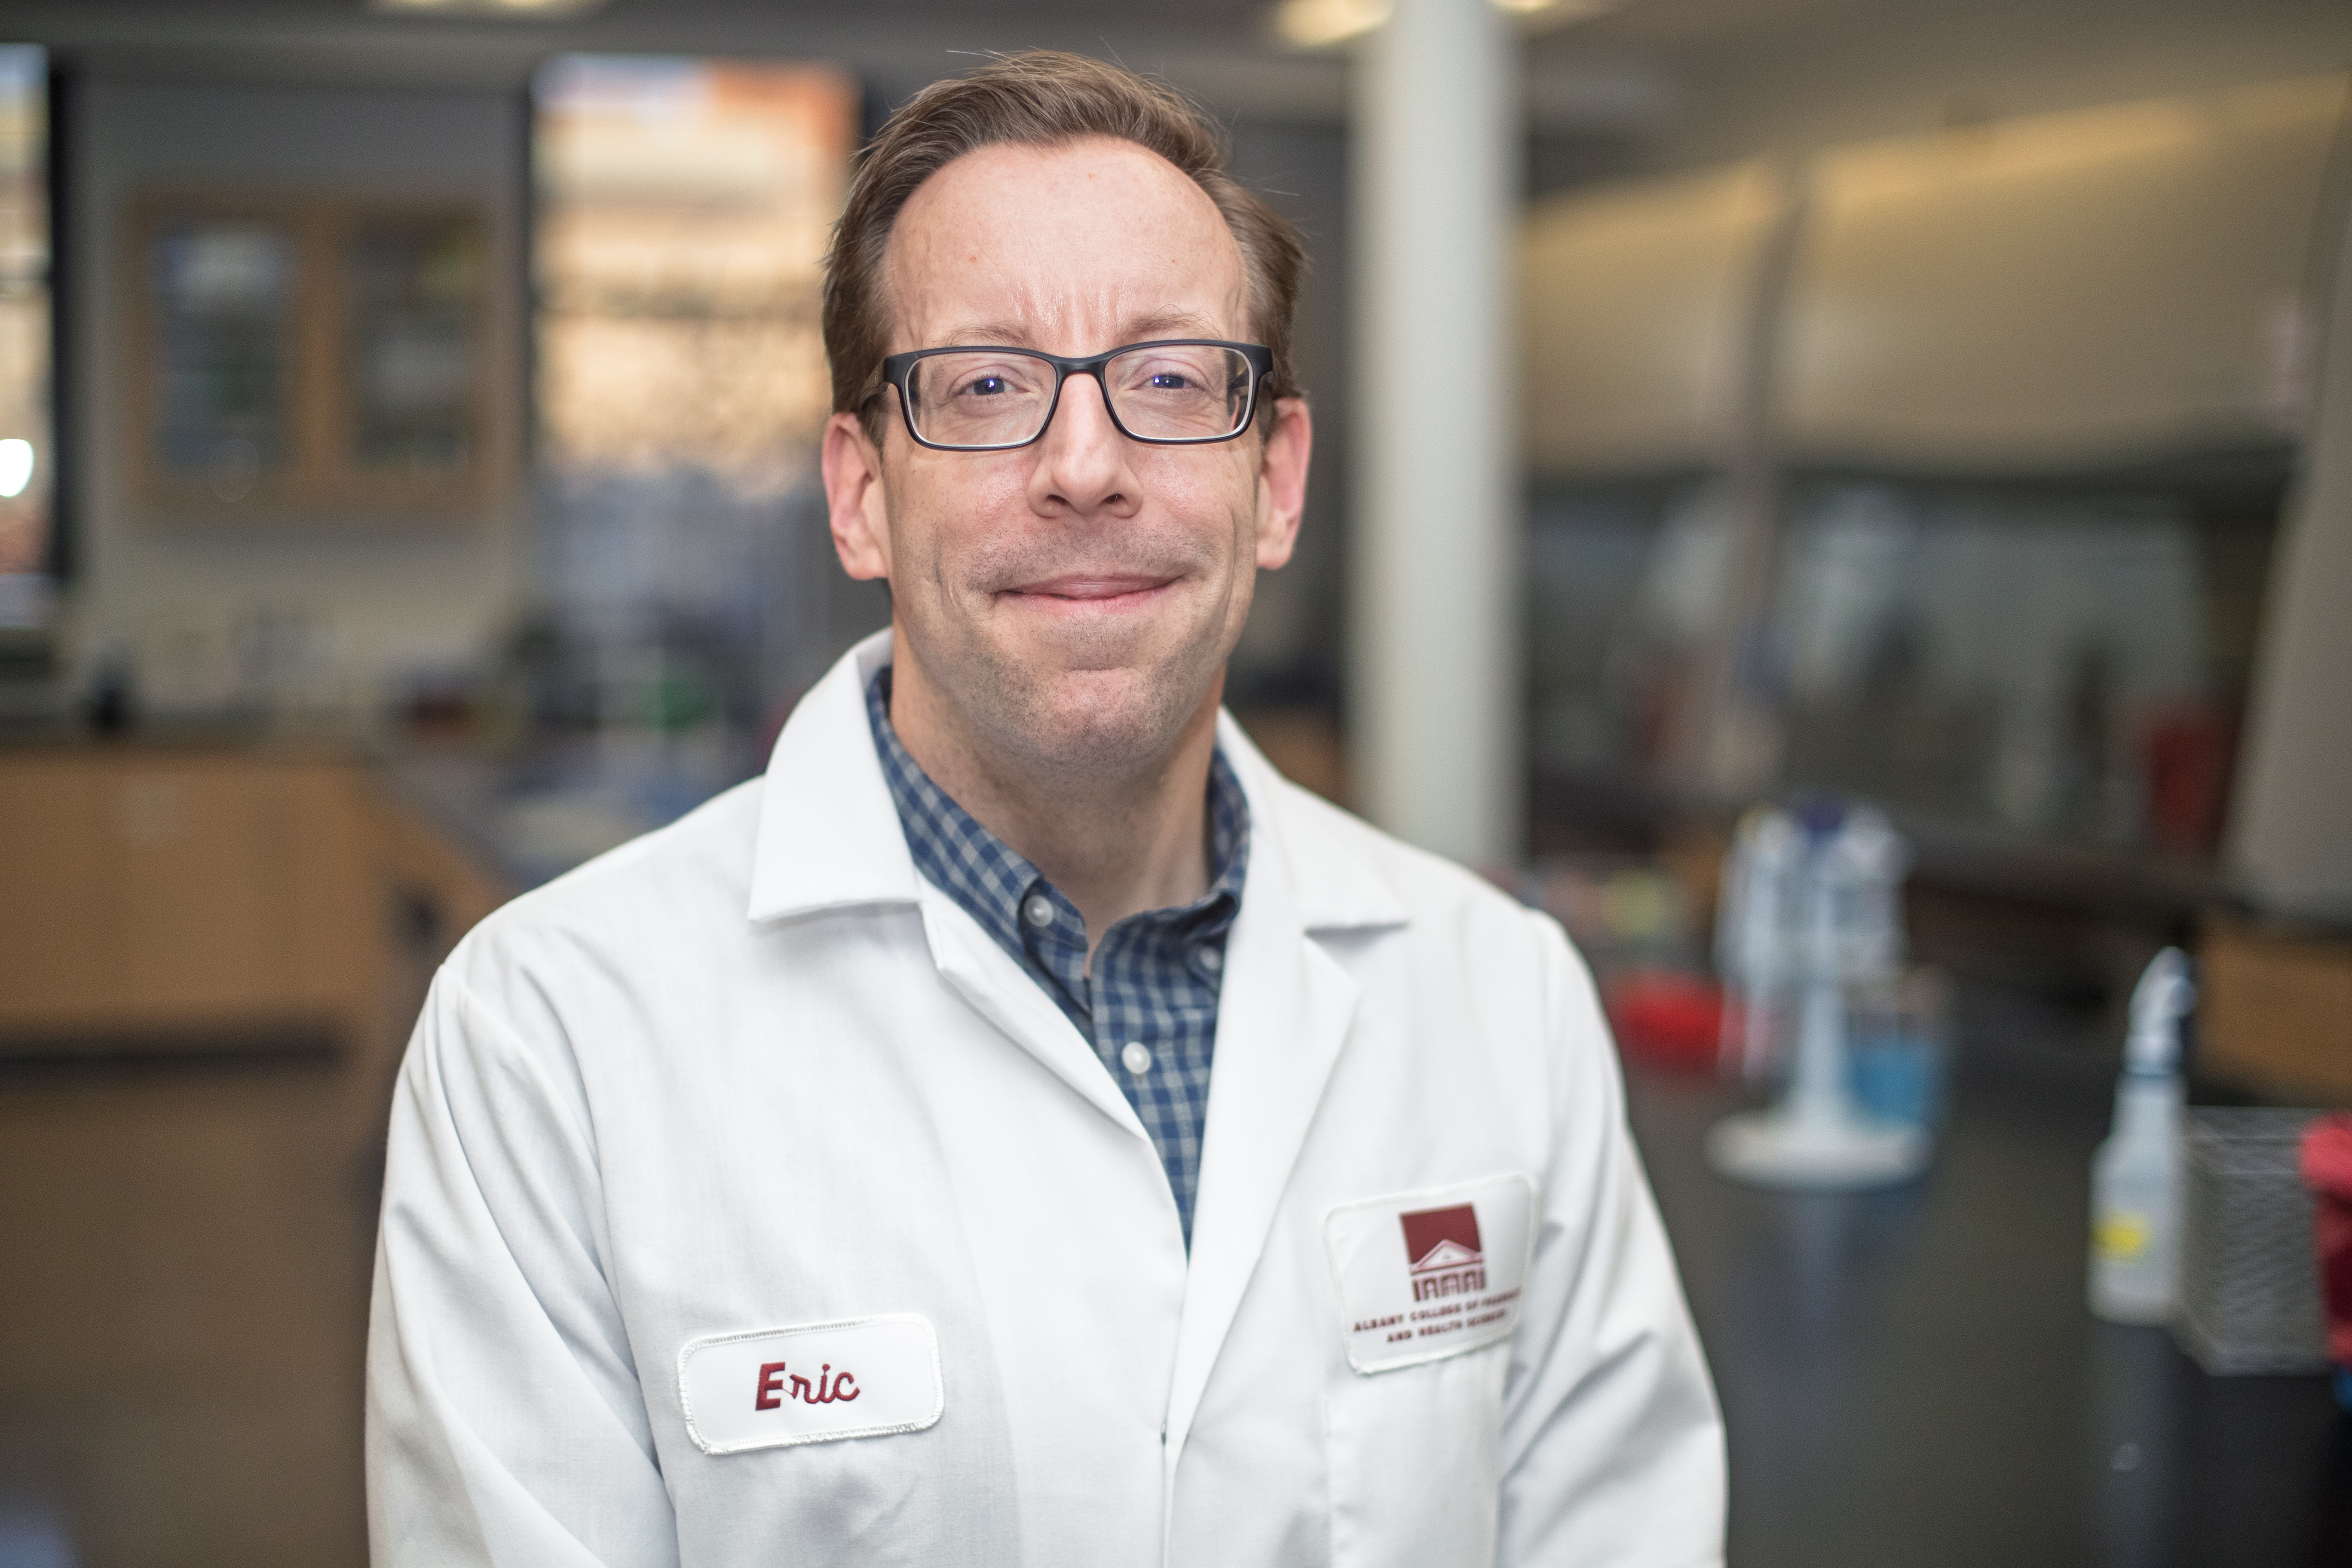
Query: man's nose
point(1083, 459)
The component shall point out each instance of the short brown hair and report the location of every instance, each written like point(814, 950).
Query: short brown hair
point(1039, 98)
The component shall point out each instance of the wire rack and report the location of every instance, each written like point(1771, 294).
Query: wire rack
point(2249, 1269)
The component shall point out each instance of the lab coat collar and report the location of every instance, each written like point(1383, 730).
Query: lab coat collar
point(1332, 882)
point(829, 836)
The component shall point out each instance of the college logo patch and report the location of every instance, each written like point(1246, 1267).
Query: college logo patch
point(1443, 1245)
point(1453, 1286)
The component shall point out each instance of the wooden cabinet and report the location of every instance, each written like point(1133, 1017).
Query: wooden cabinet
point(163, 900)
point(187, 1226)
point(308, 357)
point(2275, 1011)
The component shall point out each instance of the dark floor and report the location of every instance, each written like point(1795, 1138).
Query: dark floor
point(1911, 1379)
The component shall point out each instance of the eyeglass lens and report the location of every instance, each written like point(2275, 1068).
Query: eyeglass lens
point(990, 397)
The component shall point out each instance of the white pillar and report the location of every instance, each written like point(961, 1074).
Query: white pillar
point(2290, 841)
point(1434, 673)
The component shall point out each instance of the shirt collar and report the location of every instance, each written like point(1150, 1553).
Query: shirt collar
point(829, 836)
point(991, 881)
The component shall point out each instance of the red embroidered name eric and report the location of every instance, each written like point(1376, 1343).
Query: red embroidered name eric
point(830, 1386)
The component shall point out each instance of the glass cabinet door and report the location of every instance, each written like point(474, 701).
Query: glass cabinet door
point(223, 303)
point(412, 376)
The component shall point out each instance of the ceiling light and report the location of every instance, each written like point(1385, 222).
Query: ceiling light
point(1314, 23)
point(543, 10)
point(1543, 16)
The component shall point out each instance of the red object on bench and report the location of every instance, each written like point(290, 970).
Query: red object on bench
point(1667, 1018)
point(2327, 1172)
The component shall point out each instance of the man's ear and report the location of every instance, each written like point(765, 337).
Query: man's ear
point(1282, 481)
point(855, 501)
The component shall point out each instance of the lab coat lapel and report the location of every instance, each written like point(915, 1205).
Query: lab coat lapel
point(1282, 1017)
point(987, 978)
point(830, 838)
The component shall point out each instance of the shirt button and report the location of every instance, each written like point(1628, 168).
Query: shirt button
point(1039, 910)
point(1137, 1058)
point(1212, 958)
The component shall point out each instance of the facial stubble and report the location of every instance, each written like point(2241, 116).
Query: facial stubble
point(1090, 719)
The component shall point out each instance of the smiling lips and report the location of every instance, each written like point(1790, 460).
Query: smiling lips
point(1079, 592)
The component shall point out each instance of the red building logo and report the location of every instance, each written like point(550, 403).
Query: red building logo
point(1442, 1249)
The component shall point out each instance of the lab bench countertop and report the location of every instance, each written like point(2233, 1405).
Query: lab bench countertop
point(1910, 1378)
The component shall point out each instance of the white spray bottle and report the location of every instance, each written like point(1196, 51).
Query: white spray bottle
point(2135, 1176)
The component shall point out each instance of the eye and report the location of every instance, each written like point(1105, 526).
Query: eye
point(985, 387)
point(1170, 381)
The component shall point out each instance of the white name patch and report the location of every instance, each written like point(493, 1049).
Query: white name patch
point(1434, 1273)
point(815, 1384)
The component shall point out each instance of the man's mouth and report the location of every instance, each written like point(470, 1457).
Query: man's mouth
point(1084, 591)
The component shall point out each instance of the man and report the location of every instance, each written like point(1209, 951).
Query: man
point(1020, 1128)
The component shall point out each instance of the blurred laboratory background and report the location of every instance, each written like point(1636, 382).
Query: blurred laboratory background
point(1846, 503)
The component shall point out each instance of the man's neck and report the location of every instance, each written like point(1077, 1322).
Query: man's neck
point(1116, 842)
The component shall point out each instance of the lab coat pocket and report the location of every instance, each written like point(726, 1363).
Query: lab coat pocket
point(1429, 1286)
point(1414, 1462)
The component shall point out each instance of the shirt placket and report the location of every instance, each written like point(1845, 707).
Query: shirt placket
point(1053, 933)
point(1159, 1022)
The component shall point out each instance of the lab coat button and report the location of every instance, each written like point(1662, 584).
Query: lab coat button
point(1039, 910)
point(1137, 1058)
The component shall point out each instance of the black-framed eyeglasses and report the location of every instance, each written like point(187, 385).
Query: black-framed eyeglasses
point(1179, 392)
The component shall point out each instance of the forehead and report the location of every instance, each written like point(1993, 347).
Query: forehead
point(1073, 247)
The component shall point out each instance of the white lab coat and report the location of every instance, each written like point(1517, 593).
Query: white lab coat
point(753, 1072)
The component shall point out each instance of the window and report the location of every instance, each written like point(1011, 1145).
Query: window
point(28, 458)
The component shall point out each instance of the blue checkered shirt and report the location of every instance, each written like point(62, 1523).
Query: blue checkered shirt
point(1155, 978)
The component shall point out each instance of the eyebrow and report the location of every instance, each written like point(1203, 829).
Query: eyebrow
point(1136, 329)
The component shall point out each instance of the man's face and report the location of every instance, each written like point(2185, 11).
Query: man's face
point(1070, 603)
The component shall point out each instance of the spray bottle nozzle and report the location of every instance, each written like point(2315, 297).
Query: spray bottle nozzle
point(2162, 998)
